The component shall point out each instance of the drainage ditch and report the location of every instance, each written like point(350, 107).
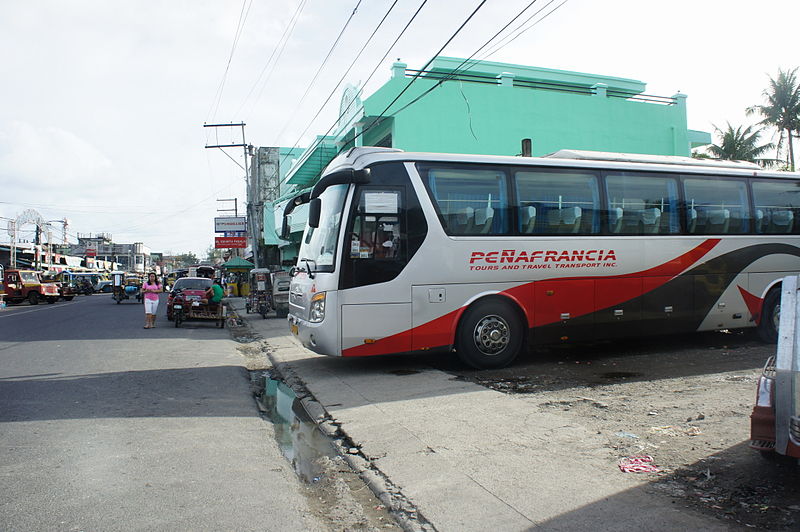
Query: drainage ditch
point(335, 492)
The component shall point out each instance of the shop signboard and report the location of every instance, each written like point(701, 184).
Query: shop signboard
point(224, 242)
point(91, 252)
point(224, 224)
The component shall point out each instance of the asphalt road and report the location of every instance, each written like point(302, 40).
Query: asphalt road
point(107, 426)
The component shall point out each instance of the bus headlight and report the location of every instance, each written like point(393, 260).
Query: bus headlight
point(317, 311)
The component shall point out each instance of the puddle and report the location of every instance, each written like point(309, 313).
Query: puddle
point(620, 375)
point(401, 372)
point(299, 439)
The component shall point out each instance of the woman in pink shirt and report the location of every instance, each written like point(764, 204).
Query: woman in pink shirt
point(151, 288)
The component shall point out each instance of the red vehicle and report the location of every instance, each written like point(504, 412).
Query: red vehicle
point(189, 289)
point(21, 285)
point(775, 421)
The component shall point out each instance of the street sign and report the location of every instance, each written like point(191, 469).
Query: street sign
point(223, 224)
point(224, 242)
point(234, 233)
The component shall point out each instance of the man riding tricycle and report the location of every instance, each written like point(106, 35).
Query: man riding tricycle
point(185, 302)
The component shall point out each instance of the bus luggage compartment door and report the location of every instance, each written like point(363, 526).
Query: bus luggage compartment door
point(619, 307)
point(375, 329)
point(563, 311)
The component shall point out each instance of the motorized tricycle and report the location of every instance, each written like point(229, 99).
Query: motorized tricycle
point(260, 300)
point(186, 307)
point(125, 285)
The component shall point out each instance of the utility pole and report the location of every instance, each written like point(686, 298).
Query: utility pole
point(252, 236)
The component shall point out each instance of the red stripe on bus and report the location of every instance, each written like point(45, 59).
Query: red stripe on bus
point(441, 331)
point(753, 303)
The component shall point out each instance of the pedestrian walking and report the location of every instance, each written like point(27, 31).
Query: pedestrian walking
point(151, 288)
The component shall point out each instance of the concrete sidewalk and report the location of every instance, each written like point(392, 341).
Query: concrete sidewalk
point(469, 458)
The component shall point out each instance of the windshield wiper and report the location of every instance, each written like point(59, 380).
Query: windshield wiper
point(308, 268)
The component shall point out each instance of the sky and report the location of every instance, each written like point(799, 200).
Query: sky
point(102, 103)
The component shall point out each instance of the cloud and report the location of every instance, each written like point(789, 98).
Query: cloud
point(43, 158)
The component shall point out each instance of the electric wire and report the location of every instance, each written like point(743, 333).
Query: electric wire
point(459, 69)
point(287, 30)
point(343, 113)
point(243, 13)
point(321, 66)
point(278, 56)
point(346, 72)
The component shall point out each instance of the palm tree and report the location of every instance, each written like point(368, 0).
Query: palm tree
point(740, 145)
point(782, 108)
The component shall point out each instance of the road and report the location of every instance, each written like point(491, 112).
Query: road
point(107, 426)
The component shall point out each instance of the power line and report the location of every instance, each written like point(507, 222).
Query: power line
point(418, 74)
point(459, 68)
point(347, 109)
point(321, 66)
point(239, 27)
point(346, 72)
point(280, 46)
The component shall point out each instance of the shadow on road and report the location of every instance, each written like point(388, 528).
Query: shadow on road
point(183, 392)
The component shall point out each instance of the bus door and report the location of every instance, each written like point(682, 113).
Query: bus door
point(374, 253)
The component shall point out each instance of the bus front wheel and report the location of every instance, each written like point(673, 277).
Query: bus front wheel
point(770, 317)
point(490, 334)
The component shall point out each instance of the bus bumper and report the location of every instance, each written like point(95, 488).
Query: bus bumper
point(313, 336)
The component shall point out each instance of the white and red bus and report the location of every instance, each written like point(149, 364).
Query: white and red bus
point(409, 252)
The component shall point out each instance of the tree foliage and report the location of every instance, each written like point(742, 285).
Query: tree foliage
point(187, 259)
point(740, 144)
point(781, 109)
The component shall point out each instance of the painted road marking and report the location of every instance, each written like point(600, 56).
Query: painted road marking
point(48, 307)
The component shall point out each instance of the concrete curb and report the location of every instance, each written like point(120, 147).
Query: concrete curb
point(405, 512)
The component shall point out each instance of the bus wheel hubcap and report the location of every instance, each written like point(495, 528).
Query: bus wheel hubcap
point(491, 335)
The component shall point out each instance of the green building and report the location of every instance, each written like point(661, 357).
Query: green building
point(488, 108)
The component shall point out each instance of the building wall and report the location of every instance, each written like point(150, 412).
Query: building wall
point(492, 119)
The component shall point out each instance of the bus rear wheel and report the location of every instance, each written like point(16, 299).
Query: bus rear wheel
point(770, 317)
point(490, 334)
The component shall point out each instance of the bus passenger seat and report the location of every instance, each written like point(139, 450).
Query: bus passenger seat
point(566, 220)
point(781, 222)
point(615, 219)
point(761, 221)
point(483, 220)
point(464, 219)
point(691, 222)
point(717, 221)
point(651, 220)
point(528, 217)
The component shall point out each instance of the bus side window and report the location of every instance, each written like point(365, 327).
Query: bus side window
point(469, 201)
point(777, 206)
point(716, 206)
point(639, 204)
point(557, 202)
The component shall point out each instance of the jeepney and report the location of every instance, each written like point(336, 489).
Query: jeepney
point(21, 285)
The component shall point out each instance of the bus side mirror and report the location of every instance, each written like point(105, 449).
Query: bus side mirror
point(314, 208)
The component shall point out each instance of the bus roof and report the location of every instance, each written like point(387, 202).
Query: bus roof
point(358, 158)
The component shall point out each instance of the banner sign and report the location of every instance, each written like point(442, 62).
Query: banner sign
point(91, 252)
point(224, 242)
point(230, 223)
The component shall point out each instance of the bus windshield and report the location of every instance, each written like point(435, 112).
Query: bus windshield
point(319, 244)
